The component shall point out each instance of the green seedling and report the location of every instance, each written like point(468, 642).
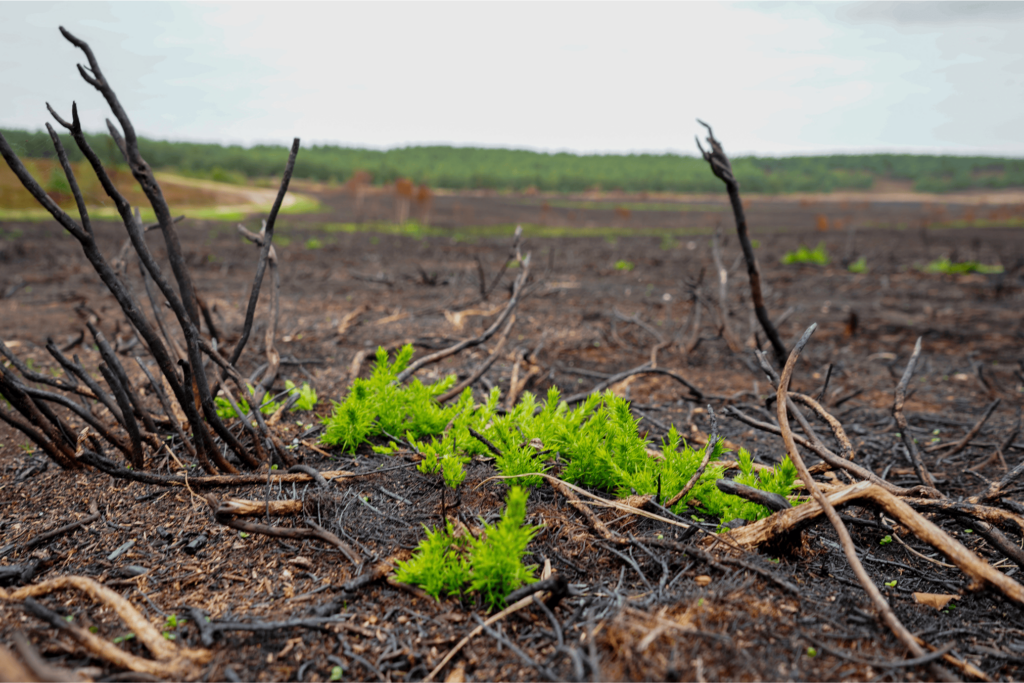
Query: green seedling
point(172, 622)
point(127, 636)
point(336, 673)
point(226, 411)
point(859, 266)
point(94, 629)
point(816, 256)
point(314, 243)
point(491, 565)
point(891, 584)
point(947, 267)
point(242, 534)
point(812, 652)
point(307, 396)
point(624, 265)
point(886, 540)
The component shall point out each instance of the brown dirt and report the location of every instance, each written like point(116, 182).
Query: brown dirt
point(738, 625)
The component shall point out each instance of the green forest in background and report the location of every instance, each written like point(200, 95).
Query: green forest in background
point(507, 169)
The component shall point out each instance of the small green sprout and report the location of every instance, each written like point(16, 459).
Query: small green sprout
point(94, 629)
point(120, 639)
point(891, 584)
point(947, 267)
point(859, 266)
point(314, 243)
point(886, 540)
point(816, 256)
point(242, 534)
point(172, 622)
point(307, 396)
point(336, 673)
point(812, 652)
point(625, 265)
point(968, 531)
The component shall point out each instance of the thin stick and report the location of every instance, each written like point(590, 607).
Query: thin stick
point(886, 614)
point(479, 371)
point(723, 293)
point(476, 341)
point(709, 449)
point(962, 443)
point(901, 421)
point(644, 369)
point(261, 264)
point(511, 609)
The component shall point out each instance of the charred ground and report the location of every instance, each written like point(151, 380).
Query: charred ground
point(608, 286)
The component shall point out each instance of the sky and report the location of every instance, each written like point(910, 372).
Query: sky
point(584, 77)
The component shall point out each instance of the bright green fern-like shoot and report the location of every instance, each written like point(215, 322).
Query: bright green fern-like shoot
point(440, 564)
point(491, 565)
point(497, 560)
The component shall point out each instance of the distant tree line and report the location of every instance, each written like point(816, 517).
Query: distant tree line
point(498, 169)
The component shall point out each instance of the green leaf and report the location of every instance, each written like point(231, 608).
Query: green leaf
point(120, 639)
point(891, 584)
point(812, 652)
point(886, 540)
point(336, 673)
point(242, 534)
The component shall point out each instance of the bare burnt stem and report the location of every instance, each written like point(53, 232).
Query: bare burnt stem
point(261, 264)
point(142, 172)
point(189, 386)
point(137, 454)
point(75, 369)
point(722, 169)
point(54, 439)
point(110, 358)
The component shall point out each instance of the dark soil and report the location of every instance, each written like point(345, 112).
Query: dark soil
point(647, 612)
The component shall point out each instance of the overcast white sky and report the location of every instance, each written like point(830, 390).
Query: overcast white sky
point(773, 79)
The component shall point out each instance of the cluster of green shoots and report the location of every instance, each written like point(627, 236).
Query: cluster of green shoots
point(816, 256)
point(306, 401)
point(490, 566)
point(597, 443)
point(947, 267)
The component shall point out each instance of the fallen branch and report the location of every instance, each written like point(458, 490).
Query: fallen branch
point(886, 614)
point(785, 522)
point(170, 660)
point(224, 514)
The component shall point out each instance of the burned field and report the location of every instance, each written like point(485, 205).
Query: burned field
point(150, 533)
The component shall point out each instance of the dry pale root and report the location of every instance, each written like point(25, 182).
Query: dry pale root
point(781, 523)
point(169, 661)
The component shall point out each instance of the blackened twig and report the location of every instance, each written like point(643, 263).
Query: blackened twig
point(901, 420)
point(723, 170)
point(644, 369)
point(476, 341)
point(261, 264)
